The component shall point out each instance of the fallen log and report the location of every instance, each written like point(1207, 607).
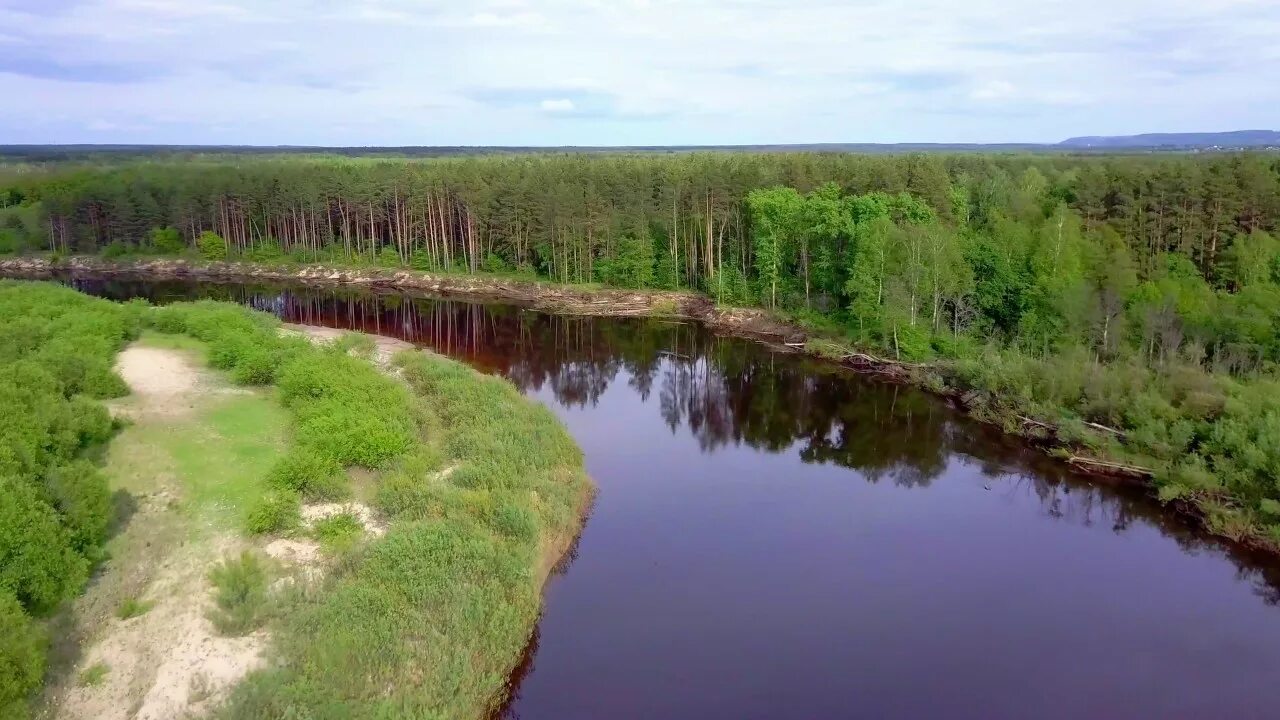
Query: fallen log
point(1114, 467)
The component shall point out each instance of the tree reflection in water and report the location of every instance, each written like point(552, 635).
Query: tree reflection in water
point(722, 391)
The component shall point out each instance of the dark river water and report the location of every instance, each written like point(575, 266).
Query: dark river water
point(776, 538)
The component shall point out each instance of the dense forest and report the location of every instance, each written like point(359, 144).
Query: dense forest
point(1138, 294)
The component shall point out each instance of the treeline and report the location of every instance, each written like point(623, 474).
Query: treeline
point(56, 349)
point(569, 217)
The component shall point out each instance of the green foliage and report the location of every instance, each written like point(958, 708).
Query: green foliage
point(355, 343)
point(79, 492)
point(346, 409)
point(22, 656)
point(116, 250)
point(338, 533)
point(94, 675)
point(241, 598)
point(41, 567)
point(275, 512)
point(456, 565)
point(632, 265)
point(166, 241)
point(211, 246)
point(314, 477)
point(132, 608)
point(56, 352)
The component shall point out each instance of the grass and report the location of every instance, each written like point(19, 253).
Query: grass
point(428, 620)
point(217, 455)
point(132, 608)
point(241, 596)
point(425, 621)
point(338, 533)
point(94, 675)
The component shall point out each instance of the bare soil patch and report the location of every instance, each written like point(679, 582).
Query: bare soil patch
point(169, 662)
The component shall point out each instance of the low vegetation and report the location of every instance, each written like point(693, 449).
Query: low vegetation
point(461, 563)
point(132, 608)
point(94, 675)
point(241, 594)
point(56, 350)
point(428, 620)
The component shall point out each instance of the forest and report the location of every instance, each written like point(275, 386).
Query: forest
point(1129, 304)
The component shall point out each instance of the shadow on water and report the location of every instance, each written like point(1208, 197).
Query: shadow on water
point(735, 412)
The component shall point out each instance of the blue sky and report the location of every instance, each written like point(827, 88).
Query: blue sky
point(612, 72)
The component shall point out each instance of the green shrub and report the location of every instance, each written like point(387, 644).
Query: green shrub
point(40, 566)
point(167, 241)
point(9, 241)
point(355, 343)
point(268, 252)
point(276, 512)
point(240, 599)
point(80, 494)
point(211, 246)
point(346, 409)
point(22, 656)
point(338, 533)
point(387, 257)
point(311, 475)
point(132, 608)
point(94, 675)
point(116, 249)
point(515, 520)
point(254, 366)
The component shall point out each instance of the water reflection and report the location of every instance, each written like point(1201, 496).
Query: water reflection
point(730, 396)
point(722, 391)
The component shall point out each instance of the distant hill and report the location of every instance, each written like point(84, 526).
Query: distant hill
point(1233, 139)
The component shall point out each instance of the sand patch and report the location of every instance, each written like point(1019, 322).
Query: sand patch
point(169, 662)
point(383, 347)
point(363, 513)
point(162, 383)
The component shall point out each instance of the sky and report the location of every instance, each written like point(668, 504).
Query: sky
point(631, 72)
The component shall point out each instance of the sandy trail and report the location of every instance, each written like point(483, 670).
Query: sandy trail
point(384, 347)
point(169, 662)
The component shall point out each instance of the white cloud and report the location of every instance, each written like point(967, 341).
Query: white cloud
point(560, 105)
point(650, 71)
point(994, 90)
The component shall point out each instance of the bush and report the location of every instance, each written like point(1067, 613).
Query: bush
point(515, 520)
point(355, 343)
point(9, 241)
point(338, 532)
point(80, 494)
point(132, 608)
point(277, 512)
point(268, 252)
point(313, 476)
point(353, 436)
point(254, 366)
point(22, 656)
point(167, 241)
point(346, 409)
point(40, 566)
point(94, 675)
point(115, 249)
point(241, 595)
point(211, 246)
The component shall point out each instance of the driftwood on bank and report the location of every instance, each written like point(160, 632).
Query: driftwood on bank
point(1110, 467)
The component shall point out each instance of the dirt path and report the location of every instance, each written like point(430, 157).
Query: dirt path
point(168, 662)
point(383, 346)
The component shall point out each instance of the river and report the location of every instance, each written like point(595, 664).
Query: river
point(777, 538)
